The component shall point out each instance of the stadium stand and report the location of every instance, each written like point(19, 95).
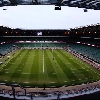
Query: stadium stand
point(88, 92)
point(6, 48)
point(86, 50)
point(82, 42)
point(41, 44)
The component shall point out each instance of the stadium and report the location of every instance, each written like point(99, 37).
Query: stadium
point(49, 49)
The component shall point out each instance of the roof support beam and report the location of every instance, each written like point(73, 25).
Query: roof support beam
point(13, 2)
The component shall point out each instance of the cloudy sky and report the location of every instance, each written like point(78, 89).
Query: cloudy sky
point(45, 17)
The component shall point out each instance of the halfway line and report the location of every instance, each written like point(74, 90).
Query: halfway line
point(43, 61)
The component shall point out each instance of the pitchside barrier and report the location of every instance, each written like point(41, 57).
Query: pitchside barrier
point(85, 59)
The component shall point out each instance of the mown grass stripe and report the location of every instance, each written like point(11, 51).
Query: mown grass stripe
point(27, 69)
point(58, 69)
point(35, 68)
point(8, 64)
point(50, 68)
point(16, 74)
point(71, 76)
point(78, 66)
point(88, 74)
point(71, 66)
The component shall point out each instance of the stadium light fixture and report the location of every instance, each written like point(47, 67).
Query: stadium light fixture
point(57, 7)
point(89, 44)
point(85, 10)
point(78, 42)
point(4, 9)
point(16, 32)
point(68, 33)
point(6, 32)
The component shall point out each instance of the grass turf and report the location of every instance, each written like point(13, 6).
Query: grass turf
point(51, 67)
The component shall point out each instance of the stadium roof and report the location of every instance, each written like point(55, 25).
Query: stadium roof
point(45, 17)
point(91, 4)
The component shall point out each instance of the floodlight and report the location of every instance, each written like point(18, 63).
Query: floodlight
point(57, 7)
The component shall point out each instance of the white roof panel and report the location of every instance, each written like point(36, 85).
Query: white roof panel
point(45, 17)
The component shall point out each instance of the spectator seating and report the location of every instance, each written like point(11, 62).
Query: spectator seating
point(86, 50)
point(41, 44)
point(6, 48)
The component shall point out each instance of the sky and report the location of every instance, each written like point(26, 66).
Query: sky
point(45, 17)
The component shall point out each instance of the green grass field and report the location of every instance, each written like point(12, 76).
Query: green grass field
point(37, 67)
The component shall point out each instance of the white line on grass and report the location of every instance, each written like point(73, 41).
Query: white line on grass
point(26, 82)
point(27, 86)
point(25, 73)
point(6, 69)
point(52, 86)
point(6, 72)
point(54, 73)
point(52, 82)
point(43, 61)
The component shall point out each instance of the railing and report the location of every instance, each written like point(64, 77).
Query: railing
point(17, 92)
